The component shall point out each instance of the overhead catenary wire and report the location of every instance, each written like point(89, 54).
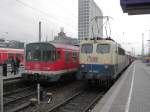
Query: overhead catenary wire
point(65, 9)
point(49, 17)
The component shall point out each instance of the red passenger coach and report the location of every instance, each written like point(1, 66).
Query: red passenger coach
point(7, 53)
point(49, 61)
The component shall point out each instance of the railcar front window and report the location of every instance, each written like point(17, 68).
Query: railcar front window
point(40, 52)
point(40, 55)
point(36, 55)
point(46, 55)
point(103, 48)
point(49, 55)
point(87, 48)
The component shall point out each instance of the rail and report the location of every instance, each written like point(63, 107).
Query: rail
point(84, 98)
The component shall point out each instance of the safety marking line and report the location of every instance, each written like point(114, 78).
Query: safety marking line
point(113, 96)
point(130, 94)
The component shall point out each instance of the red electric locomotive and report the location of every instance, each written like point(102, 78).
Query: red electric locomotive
point(49, 61)
point(7, 53)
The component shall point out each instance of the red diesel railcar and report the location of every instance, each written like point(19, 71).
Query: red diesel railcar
point(49, 61)
point(7, 53)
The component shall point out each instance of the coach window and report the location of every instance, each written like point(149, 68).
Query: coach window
point(46, 55)
point(58, 55)
point(10, 56)
point(103, 48)
point(74, 56)
point(87, 48)
point(121, 51)
point(18, 56)
point(28, 56)
point(67, 56)
point(53, 57)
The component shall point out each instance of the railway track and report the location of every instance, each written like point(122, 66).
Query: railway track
point(14, 84)
point(80, 102)
point(17, 91)
point(16, 98)
point(20, 101)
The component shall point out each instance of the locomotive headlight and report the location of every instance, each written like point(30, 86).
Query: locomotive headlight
point(82, 66)
point(106, 66)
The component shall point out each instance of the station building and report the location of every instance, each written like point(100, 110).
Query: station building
point(63, 38)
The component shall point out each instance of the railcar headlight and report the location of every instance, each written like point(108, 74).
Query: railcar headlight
point(106, 66)
point(82, 66)
point(47, 68)
point(28, 67)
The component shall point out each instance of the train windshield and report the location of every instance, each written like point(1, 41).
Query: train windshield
point(103, 48)
point(87, 48)
point(40, 52)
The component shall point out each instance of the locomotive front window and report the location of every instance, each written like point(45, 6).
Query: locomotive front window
point(103, 48)
point(87, 48)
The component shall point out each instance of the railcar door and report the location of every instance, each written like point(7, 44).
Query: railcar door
point(67, 60)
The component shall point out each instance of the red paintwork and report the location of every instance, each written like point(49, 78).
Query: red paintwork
point(58, 64)
point(5, 51)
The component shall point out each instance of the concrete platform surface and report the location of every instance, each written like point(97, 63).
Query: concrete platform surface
point(131, 92)
point(11, 76)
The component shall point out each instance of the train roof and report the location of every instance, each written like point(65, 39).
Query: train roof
point(100, 40)
point(11, 50)
point(107, 40)
point(59, 45)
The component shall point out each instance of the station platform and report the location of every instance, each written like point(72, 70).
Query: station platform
point(131, 92)
point(11, 76)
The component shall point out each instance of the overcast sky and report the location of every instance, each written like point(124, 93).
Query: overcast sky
point(19, 20)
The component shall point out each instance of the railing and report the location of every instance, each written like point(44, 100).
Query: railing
point(9, 69)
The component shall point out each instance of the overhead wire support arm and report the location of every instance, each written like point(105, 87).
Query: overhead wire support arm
point(105, 24)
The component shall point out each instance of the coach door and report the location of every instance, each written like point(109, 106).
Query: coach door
point(67, 60)
point(116, 59)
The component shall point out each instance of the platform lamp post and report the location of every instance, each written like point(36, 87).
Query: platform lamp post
point(38, 82)
point(148, 47)
point(142, 53)
point(38, 88)
point(1, 95)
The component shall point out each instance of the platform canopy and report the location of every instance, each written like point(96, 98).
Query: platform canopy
point(135, 7)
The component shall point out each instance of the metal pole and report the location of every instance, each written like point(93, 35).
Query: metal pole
point(38, 91)
point(142, 44)
point(149, 45)
point(1, 95)
point(40, 31)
